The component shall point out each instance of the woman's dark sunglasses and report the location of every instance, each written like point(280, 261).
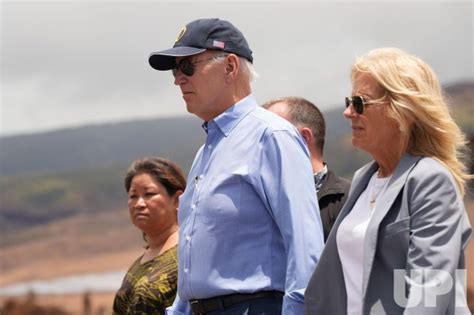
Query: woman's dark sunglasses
point(358, 103)
point(187, 67)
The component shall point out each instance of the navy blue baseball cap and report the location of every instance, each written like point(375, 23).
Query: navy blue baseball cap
point(199, 36)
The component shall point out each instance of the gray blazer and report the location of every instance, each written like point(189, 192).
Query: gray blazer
point(420, 223)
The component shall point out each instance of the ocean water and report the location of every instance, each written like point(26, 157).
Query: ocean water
point(93, 282)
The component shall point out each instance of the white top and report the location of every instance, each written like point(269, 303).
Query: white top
point(350, 241)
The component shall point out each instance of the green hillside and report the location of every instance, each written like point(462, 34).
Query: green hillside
point(31, 200)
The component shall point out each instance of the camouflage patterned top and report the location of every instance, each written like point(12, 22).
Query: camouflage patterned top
point(148, 288)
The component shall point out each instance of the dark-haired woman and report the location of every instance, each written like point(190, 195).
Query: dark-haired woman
point(153, 186)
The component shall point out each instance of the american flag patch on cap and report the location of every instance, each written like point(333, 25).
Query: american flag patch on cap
point(218, 44)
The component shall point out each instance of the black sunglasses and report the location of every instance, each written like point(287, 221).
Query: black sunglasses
point(358, 103)
point(187, 67)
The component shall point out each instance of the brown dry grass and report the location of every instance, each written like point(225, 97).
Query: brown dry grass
point(101, 303)
point(66, 266)
point(73, 246)
point(80, 245)
point(107, 242)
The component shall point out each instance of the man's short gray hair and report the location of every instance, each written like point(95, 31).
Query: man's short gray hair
point(247, 67)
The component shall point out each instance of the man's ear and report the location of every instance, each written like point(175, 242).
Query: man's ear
point(307, 135)
point(232, 67)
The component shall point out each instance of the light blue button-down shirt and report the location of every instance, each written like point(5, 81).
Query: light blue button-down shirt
point(249, 217)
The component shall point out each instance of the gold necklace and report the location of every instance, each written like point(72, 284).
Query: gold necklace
point(376, 190)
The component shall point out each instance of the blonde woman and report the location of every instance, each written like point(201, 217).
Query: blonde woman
point(398, 243)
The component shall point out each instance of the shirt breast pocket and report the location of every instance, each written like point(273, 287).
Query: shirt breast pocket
point(222, 202)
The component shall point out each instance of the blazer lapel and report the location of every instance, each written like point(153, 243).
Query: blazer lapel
point(394, 186)
point(358, 184)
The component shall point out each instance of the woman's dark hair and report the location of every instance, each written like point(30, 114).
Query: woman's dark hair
point(167, 173)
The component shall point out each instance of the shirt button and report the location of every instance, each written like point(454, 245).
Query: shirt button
point(186, 270)
point(188, 238)
point(193, 206)
point(209, 146)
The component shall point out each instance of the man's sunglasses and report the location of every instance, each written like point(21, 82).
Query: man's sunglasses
point(358, 103)
point(187, 67)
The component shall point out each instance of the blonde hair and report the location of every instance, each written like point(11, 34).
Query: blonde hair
point(417, 104)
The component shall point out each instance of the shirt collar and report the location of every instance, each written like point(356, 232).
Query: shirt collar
point(231, 117)
point(319, 177)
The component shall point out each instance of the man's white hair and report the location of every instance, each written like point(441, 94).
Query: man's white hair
point(247, 67)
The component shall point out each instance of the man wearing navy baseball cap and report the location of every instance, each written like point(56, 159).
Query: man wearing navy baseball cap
point(250, 231)
point(197, 37)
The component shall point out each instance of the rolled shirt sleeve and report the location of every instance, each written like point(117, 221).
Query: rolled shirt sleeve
point(288, 186)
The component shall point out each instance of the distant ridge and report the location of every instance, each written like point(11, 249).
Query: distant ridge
point(101, 145)
point(460, 87)
point(107, 144)
point(177, 138)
